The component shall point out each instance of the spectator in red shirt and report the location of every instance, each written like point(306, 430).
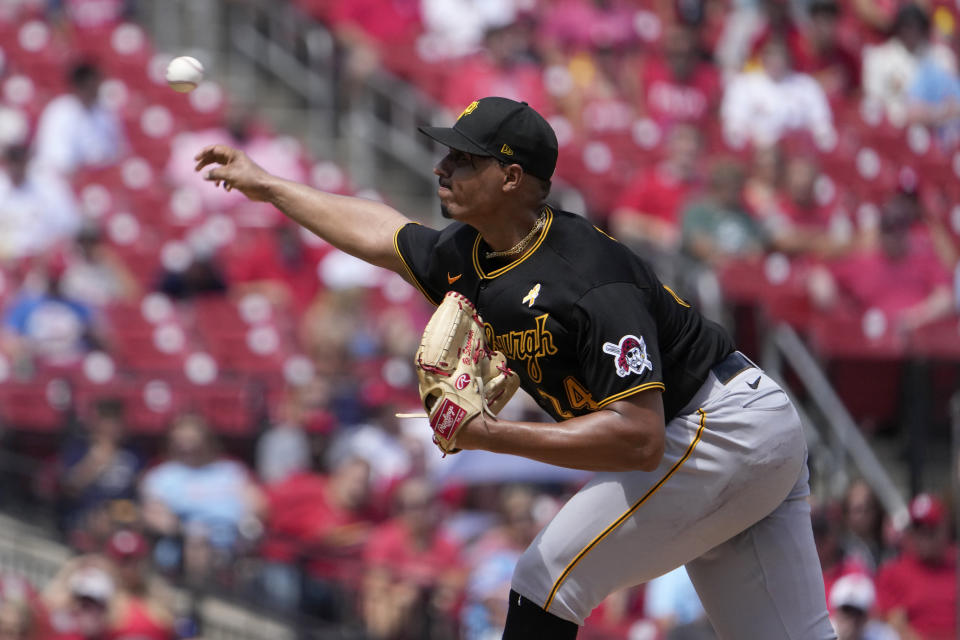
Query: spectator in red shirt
point(778, 24)
point(414, 571)
point(648, 211)
point(586, 25)
point(372, 29)
point(917, 593)
point(872, 20)
point(503, 68)
point(797, 199)
point(765, 178)
point(903, 278)
point(139, 610)
point(796, 220)
point(320, 523)
point(825, 56)
point(279, 266)
point(682, 86)
point(816, 49)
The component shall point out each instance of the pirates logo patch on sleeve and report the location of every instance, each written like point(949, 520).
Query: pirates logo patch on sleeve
point(629, 356)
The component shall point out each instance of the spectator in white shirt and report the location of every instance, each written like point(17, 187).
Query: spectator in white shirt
point(241, 130)
point(851, 600)
point(95, 274)
point(891, 69)
point(455, 28)
point(760, 107)
point(76, 129)
point(37, 208)
point(90, 14)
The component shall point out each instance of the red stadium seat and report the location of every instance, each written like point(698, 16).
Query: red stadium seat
point(743, 281)
point(259, 351)
point(142, 261)
point(794, 308)
point(127, 318)
point(38, 405)
point(149, 404)
point(842, 336)
point(939, 341)
point(214, 315)
point(865, 371)
point(152, 406)
point(161, 350)
point(231, 407)
point(35, 51)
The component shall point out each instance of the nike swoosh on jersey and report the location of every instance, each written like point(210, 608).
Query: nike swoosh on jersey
point(755, 383)
point(451, 279)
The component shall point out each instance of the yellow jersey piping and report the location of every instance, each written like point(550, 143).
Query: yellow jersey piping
point(630, 392)
point(629, 512)
point(679, 300)
point(605, 233)
point(504, 269)
point(413, 278)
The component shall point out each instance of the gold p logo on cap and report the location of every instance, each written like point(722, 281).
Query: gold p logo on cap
point(470, 107)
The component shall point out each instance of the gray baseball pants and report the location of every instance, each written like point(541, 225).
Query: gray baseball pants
point(729, 501)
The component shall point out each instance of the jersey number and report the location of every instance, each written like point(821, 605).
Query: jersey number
point(566, 415)
point(577, 395)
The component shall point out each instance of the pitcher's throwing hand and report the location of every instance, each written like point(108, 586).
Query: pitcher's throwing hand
point(236, 171)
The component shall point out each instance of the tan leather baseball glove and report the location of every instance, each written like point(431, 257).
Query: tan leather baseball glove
point(459, 376)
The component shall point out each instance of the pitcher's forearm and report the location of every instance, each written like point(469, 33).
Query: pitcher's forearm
point(626, 436)
point(362, 228)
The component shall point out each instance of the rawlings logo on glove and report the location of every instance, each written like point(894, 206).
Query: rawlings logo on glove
point(459, 376)
point(447, 418)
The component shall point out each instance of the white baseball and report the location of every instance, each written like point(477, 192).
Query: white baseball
point(184, 74)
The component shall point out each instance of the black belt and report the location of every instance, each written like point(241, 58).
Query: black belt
point(731, 366)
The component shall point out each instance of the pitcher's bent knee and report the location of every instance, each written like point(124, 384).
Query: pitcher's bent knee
point(541, 580)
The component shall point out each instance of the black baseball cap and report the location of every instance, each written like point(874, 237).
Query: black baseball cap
point(504, 129)
point(827, 7)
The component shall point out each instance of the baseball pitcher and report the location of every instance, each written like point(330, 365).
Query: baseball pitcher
point(701, 456)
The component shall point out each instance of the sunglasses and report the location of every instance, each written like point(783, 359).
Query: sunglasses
point(90, 604)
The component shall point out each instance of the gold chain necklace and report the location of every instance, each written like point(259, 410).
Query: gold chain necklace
point(520, 246)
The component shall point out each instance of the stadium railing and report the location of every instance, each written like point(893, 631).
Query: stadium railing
point(784, 350)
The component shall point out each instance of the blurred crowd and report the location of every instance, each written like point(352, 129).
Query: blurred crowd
point(779, 161)
point(822, 132)
point(211, 393)
point(352, 527)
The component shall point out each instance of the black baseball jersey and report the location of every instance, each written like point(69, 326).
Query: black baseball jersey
point(580, 318)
